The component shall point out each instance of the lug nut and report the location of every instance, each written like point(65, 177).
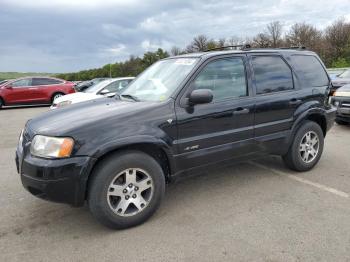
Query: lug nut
point(126, 197)
point(133, 196)
point(130, 185)
point(136, 188)
point(124, 191)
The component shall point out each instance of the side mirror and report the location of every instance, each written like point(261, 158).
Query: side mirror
point(200, 96)
point(110, 94)
point(104, 92)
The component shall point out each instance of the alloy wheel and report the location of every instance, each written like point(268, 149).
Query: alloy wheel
point(309, 147)
point(130, 192)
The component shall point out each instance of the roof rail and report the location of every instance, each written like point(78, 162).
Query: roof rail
point(242, 47)
point(294, 47)
point(248, 46)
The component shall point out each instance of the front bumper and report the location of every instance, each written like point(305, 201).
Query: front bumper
point(58, 180)
point(342, 104)
point(330, 117)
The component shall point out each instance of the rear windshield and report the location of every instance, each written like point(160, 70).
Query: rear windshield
point(311, 69)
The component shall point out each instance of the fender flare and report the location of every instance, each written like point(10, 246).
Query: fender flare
point(133, 141)
point(303, 116)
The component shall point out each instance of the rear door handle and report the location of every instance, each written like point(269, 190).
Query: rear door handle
point(294, 101)
point(241, 111)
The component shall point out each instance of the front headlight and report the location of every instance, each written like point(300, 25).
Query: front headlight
point(342, 93)
point(51, 147)
point(64, 103)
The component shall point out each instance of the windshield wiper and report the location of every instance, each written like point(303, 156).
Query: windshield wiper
point(130, 97)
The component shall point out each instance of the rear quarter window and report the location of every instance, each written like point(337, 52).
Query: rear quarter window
point(310, 68)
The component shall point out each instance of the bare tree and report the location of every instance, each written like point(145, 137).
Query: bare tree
point(199, 44)
point(304, 34)
point(235, 40)
point(221, 42)
point(261, 40)
point(175, 51)
point(274, 32)
point(337, 37)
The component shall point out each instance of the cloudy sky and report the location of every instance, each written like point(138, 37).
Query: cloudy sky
point(71, 35)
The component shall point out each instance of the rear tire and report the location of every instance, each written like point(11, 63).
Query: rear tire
point(56, 95)
point(306, 148)
point(1, 102)
point(126, 189)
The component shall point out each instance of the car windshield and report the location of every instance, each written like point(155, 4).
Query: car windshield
point(345, 74)
point(160, 80)
point(96, 87)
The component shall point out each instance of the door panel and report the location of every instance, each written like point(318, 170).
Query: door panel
point(20, 92)
point(276, 100)
point(42, 88)
point(222, 129)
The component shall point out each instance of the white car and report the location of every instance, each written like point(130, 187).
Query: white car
point(106, 88)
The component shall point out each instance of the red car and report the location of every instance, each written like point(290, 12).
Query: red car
point(33, 90)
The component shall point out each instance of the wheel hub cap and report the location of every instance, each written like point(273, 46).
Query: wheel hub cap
point(309, 147)
point(130, 192)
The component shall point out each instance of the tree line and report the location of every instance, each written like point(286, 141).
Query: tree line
point(332, 44)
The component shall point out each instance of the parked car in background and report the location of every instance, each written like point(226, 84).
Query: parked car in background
point(341, 79)
point(334, 72)
point(86, 84)
point(109, 88)
point(33, 90)
point(179, 116)
point(2, 82)
point(341, 100)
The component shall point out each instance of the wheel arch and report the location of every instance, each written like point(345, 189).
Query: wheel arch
point(3, 100)
point(156, 150)
point(55, 93)
point(316, 115)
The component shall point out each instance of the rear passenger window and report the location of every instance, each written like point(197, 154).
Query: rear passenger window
point(311, 69)
point(271, 74)
point(225, 77)
point(45, 81)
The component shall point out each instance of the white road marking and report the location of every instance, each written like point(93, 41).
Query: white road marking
point(304, 181)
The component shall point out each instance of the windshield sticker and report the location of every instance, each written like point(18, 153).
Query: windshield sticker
point(185, 61)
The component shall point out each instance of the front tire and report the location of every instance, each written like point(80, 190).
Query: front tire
point(126, 189)
point(307, 147)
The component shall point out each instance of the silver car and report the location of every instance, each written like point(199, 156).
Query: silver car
point(342, 79)
point(106, 88)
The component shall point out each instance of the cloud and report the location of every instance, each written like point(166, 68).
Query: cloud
point(70, 35)
point(76, 4)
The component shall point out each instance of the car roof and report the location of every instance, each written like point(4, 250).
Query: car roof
point(281, 51)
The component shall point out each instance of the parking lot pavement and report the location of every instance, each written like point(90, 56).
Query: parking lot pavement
point(254, 211)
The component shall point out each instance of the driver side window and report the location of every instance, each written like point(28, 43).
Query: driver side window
point(224, 77)
point(22, 83)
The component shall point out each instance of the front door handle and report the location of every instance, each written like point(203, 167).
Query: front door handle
point(241, 111)
point(294, 101)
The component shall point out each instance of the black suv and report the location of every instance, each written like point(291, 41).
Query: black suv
point(179, 116)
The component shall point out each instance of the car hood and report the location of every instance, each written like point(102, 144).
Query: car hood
point(83, 116)
point(77, 97)
point(340, 81)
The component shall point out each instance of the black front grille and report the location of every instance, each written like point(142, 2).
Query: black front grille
point(345, 104)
